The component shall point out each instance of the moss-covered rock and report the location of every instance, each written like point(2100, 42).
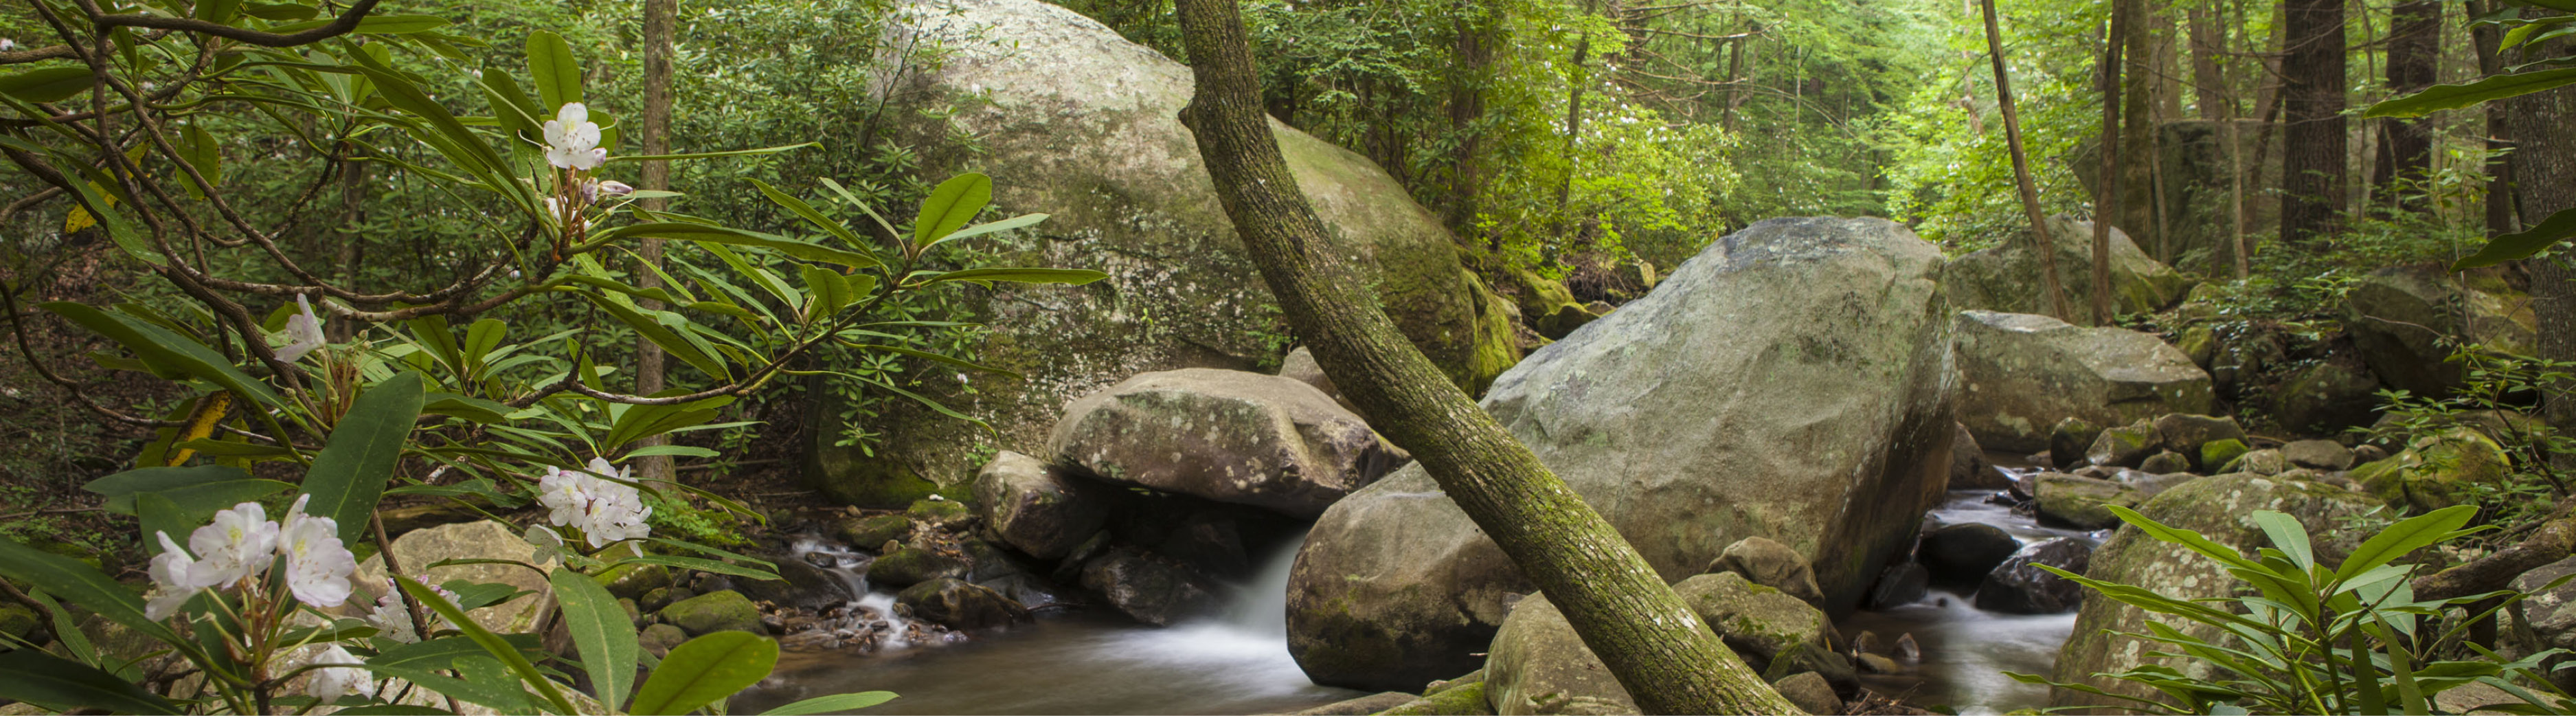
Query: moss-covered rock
point(1539, 665)
point(2124, 446)
point(2184, 433)
point(632, 581)
point(913, 565)
point(2326, 397)
point(20, 622)
point(2218, 453)
point(1226, 435)
point(1762, 624)
point(1467, 699)
point(2068, 440)
point(869, 532)
point(2219, 507)
point(2403, 319)
point(660, 638)
point(1498, 346)
point(2165, 462)
point(2006, 277)
point(2082, 502)
point(960, 605)
point(938, 511)
point(714, 612)
point(2435, 471)
point(2260, 462)
point(2200, 343)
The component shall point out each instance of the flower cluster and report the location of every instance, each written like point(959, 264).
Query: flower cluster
point(606, 511)
point(333, 682)
point(240, 545)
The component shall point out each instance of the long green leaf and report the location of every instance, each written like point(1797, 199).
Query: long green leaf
point(950, 206)
point(59, 684)
point(807, 212)
point(1017, 222)
point(2522, 244)
point(709, 155)
point(705, 669)
point(375, 24)
point(2406, 536)
point(2287, 535)
point(160, 347)
point(672, 342)
point(701, 233)
point(601, 631)
point(50, 84)
point(829, 704)
point(120, 488)
point(194, 503)
point(2441, 97)
point(553, 70)
point(350, 474)
point(492, 643)
point(80, 584)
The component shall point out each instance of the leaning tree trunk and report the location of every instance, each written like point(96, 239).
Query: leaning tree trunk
point(2041, 243)
point(2313, 145)
point(1669, 661)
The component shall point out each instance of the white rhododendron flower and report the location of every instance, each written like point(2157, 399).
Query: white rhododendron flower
point(317, 564)
point(572, 141)
point(606, 511)
point(240, 543)
point(170, 587)
point(304, 331)
point(332, 683)
point(549, 545)
point(393, 618)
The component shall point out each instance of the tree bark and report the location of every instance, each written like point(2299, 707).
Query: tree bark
point(1471, 68)
point(1669, 661)
point(2138, 84)
point(2106, 204)
point(659, 16)
point(2208, 86)
point(2544, 168)
point(2486, 39)
point(2406, 145)
point(2040, 241)
point(2313, 144)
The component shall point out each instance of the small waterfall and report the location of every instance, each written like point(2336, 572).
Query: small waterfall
point(873, 612)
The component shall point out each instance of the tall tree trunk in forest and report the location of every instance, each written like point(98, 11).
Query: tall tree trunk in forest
point(2106, 202)
point(2135, 213)
point(1577, 79)
point(2544, 169)
point(659, 16)
point(1651, 641)
point(2313, 144)
point(2208, 86)
point(2487, 39)
point(2041, 243)
point(2406, 145)
point(1470, 70)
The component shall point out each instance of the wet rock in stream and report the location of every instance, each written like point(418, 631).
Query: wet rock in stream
point(2020, 586)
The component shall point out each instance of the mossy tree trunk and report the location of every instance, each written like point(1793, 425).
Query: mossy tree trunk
point(1652, 642)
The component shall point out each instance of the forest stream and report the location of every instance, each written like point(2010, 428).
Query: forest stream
point(1095, 661)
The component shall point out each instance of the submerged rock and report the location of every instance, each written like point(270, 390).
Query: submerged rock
point(1149, 590)
point(1228, 436)
point(960, 605)
point(1790, 382)
point(1900, 585)
point(1074, 121)
point(2019, 586)
point(2024, 372)
point(1035, 508)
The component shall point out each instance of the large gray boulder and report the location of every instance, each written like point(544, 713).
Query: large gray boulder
point(2024, 373)
point(2006, 277)
point(1225, 435)
point(483, 540)
point(1036, 508)
point(1790, 382)
point(1074, 121)
point(2219, 507)
point(2400, 316)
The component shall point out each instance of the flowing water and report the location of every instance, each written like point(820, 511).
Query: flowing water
point(1966, 650)
point(1092, 662)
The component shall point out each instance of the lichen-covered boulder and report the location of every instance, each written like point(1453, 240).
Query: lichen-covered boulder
point(2318, 455)
point(2436, 470)
point(2260, 462)
point(1790, 382)
point(2185, 433)
point(464, 540)
point(1073, 121)
point(1036, 508)
point(2026, 372)
point(2006, 277)
point(2165, 463)
point(2068, 441)
point(1225, 435)
point(2219, 453)
point(2403, 317)
point(1771, 564)
point(714, 612)
point(873, 531)
point(2082, 502)
point(2220, 508)
point(913, 565)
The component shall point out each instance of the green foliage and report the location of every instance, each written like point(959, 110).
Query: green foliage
point(2495, 386)
point(2311, 637)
